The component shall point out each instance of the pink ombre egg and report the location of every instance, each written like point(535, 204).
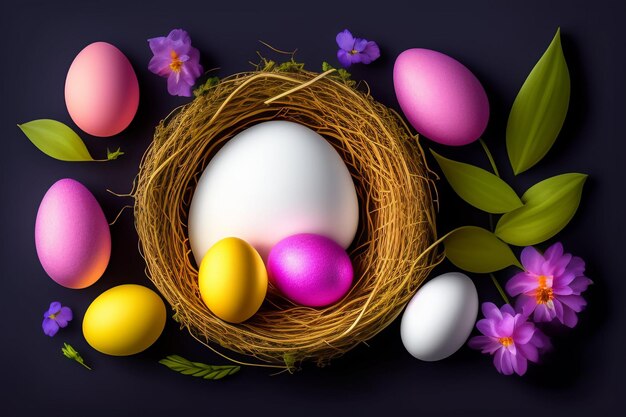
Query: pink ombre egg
point(309, 269)
point(101, 90)
point(72, 235)
point(440, 97)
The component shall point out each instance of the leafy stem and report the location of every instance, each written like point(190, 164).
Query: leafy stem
point(500, 290)
point(197, 369)
point(490, 157)
point(71, 353)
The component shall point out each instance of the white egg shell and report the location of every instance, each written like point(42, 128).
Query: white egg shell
point(440, 317)
point(273, 180)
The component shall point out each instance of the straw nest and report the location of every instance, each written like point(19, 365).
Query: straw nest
point(392, 253)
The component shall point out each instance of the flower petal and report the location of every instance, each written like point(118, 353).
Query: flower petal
point(521, 282)
point(497, 360)
point(359, 45)
point(554, 252)
point(569, 317)
point(525, 305)
point(488, 327)
point(529, 351)
point(580, 284)
point(64, 316)
point(523, 333)
point(370, 53)
point(160, 65)
point(505, 327)
point(177, 87)
point(54, 308)
point(484, 344)
point(491, 311)
point(532, 260)
point(520, 365)
point(159, 46)
point(345, 59)
point(50, 327)
point(574, 302)
point(345, 40)
point(505, 362)
point(576, 265)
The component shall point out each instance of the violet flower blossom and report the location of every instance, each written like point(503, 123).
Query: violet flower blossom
point(355, 50)
point(550, 285)
point(176, 59)
point(55, 317)
point(510, 338)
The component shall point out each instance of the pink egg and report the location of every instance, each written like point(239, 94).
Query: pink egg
point(440, 97)
point(72, 235)
point(309, 269)
point(101, 90)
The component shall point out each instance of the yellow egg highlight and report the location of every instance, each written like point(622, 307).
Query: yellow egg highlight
point(232, 280)
point(124, 320)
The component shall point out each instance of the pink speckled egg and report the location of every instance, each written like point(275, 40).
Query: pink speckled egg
point(309, 269)
point(72, 235)
point(440, 97)
point(101, 90)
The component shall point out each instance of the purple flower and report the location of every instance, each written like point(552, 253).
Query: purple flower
point(176, 59)
point(56, 317)
point(355, 50)
point(510, 337)
point(550, 286)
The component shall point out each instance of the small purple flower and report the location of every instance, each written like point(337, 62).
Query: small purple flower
point(550, 285)
point(355, 50)
point(176, 59)
point(510, 337)
point(56, 317)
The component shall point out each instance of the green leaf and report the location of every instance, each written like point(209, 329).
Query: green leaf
point(475, 249)
point(539, 109)
point(71, 353)
point(198, 369)
point(548, 207)
point(479, 187)
point(56, 139)
point(114, 155)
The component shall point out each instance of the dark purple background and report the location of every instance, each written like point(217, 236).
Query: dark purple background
point(500, 42)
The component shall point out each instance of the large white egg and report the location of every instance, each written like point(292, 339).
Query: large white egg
point(440, 317)
point(273, 180)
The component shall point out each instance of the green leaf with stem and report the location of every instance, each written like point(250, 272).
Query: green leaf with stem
point(548, 207)
point(539, 109)
point(475, 249)
point(479, 187)
point(71, 353)
point(59, 141)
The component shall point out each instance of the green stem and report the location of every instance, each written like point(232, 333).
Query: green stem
point(490, 157)
point(500, 290)
point(83, 363)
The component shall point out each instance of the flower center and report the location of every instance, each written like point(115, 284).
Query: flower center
point(506, 341)
point(354, 52)
point(176, 63)
point(53, 316)
point(544, 293)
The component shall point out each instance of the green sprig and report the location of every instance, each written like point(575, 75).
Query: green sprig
point(114, 155)
point(208, 85)
point(72, 354)
point(197, 369)
point(342, 74)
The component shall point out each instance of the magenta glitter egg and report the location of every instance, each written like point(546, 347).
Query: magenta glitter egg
point(309, 269)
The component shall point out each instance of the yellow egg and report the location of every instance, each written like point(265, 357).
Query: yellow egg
point(124, 320)
point(232, 280)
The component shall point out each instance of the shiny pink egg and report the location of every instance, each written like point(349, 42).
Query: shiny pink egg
point(440, 97)
point(72, 236)
point(101, 90)
point(310, 270)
